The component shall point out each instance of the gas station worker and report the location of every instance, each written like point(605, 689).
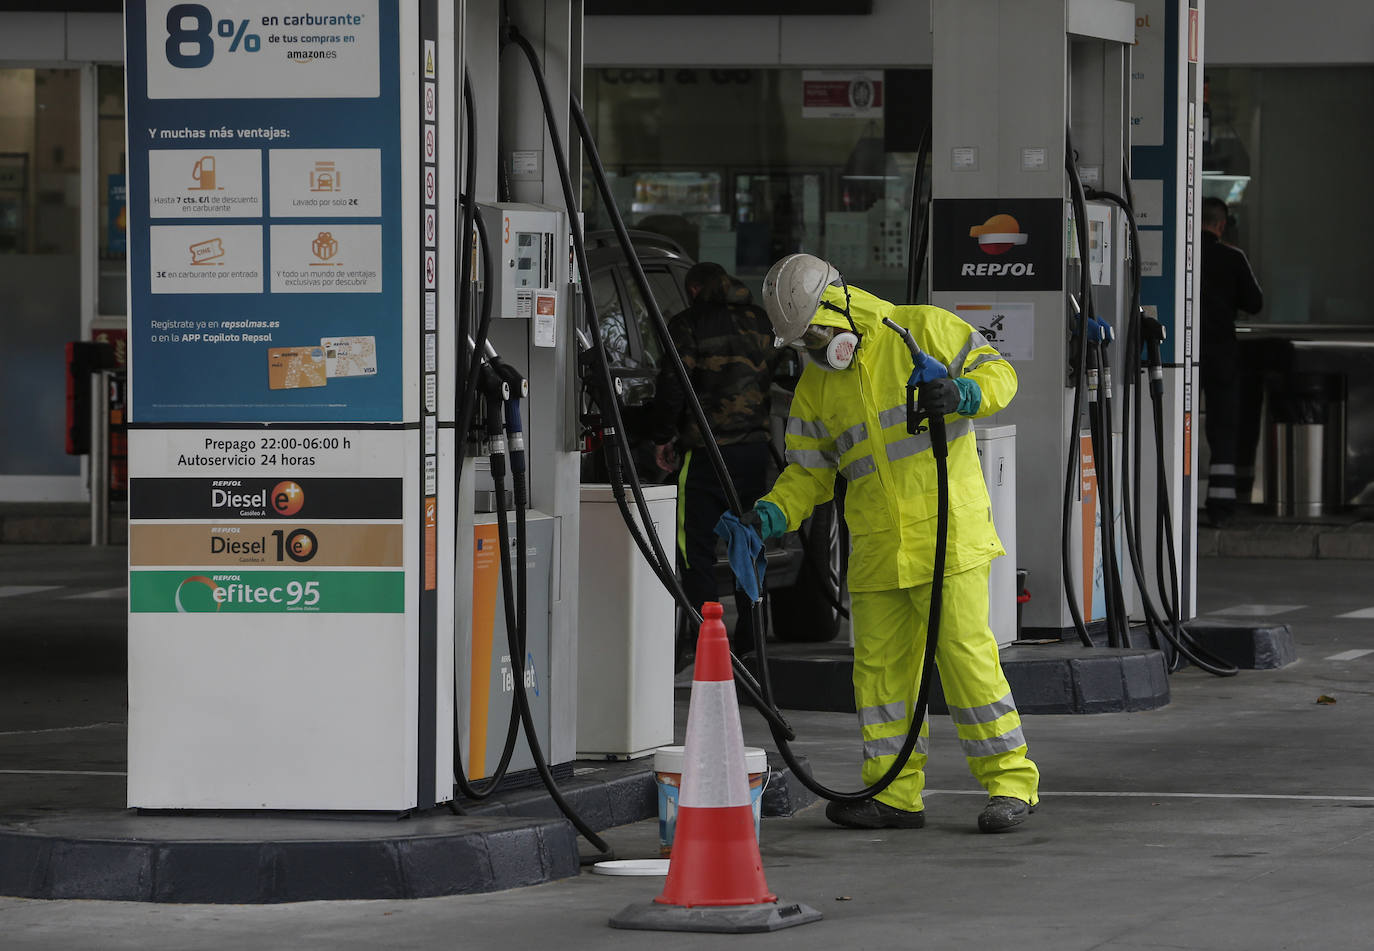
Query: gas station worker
point(849, 417)
point(726, 346)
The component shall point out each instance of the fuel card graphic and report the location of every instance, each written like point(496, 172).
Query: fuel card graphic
point(289, 368)
point(350, 356)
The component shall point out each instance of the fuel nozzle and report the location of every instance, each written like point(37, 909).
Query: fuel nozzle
point(924, 369)
point(1100, 336)
point(1153, 333)
point(494, 392)
point(518, 388)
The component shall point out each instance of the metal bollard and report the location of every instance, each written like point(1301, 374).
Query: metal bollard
point(100, 457)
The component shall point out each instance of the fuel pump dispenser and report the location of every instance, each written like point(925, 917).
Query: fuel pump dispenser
point(1013, 236)
point(528, 297)
point(520, 305)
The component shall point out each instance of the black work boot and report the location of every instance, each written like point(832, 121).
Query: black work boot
point(872, 814)
point(1002, 813)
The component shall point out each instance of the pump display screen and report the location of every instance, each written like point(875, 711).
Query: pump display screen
point(528, 259)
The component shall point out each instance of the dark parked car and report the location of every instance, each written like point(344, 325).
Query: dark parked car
point(804, 568)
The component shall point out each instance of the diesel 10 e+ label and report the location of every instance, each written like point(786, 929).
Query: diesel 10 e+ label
point(247, 544)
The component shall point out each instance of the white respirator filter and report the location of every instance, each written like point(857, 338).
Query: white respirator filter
point(839, 352)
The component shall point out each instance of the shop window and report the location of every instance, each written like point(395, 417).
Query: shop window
point(1287, 148)
point(743, 166)
point(111, 191)
point(40, 160)
point(40, 245)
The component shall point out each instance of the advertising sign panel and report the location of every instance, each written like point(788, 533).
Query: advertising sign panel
point(257, 244)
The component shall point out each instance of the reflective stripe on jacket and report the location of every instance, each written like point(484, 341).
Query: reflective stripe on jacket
point(854, 422)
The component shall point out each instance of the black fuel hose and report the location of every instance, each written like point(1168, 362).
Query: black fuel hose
point(776, 724)
point(467, 403)
point(515, 643)
point(1110, 467)
point(916, 247)
point(1109, 454)
point(652, 549)
point(1100, 430)
point(1071, 474)
point(469, 210)
point(940, 450)
point(466, 410)
point(1094, 378)
point(1166, 629)
point(1117, 621)
point(493, 392)
point(1115, 498)
point(727, 485)
point(1131, 429)
point(939, 446)
point(1194, 652)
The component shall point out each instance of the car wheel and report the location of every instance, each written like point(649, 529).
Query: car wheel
point(808, 612)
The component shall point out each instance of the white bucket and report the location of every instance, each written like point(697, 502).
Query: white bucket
point(668, 773)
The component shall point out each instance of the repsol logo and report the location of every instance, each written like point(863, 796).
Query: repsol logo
point(1000, 269)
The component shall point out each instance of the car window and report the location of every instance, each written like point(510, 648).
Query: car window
point(667, 287)
point(664, 285)
point(610, 317)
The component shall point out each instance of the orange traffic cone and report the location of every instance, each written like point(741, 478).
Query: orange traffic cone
point(715, 878)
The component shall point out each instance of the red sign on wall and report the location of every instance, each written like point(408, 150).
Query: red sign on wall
point(837, 94)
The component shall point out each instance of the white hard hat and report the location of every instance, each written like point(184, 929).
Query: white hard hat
point(792, 292)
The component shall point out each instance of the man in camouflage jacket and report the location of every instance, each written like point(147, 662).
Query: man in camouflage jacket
point(726, 345)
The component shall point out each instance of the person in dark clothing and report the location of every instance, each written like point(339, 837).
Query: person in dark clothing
point(1228, 286)
point(726, 345)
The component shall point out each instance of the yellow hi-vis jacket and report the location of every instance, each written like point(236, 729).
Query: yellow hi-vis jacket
point(853, 422)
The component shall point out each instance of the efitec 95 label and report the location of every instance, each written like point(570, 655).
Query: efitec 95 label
point(267, 592)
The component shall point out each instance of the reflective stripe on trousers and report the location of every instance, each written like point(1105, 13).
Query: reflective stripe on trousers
point(884, 718)
point(889, 636)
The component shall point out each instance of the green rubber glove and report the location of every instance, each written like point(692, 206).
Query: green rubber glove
point(772, 523)
point(970, 396)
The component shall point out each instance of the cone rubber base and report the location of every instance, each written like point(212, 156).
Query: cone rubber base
point(729, 919)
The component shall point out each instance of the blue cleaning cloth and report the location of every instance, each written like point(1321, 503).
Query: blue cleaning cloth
point(745, 546)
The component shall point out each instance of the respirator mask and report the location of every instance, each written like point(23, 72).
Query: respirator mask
point(831, 347)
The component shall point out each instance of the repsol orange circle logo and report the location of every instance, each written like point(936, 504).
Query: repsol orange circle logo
point(301, 545)
point(198, 594)
point(287, 498)
point(998, 235)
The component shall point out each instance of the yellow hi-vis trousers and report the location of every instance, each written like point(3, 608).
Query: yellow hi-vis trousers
point(889, 646)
